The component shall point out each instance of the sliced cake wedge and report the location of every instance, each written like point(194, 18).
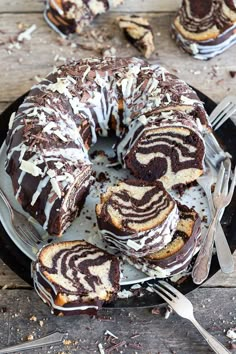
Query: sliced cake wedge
point(137, 217)
point(75, 277)
point(176, 256)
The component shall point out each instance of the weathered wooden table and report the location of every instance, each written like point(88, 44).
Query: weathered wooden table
point(139, 331)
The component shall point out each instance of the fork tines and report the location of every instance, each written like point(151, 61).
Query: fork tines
point(223, 111)
point(166, 291)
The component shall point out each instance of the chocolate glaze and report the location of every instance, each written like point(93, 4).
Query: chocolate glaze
point(62, 116)
point(181, 259)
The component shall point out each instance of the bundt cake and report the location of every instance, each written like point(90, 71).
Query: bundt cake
point(69, 16)
point(205, 28)
point(50, 135)
point(137, 217)
point(177, 254)
point(75, 277)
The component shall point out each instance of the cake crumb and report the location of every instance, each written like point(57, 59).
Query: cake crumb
point(155, 311)
point(41, 323)
point(33, 318)
point(67, 342)
point(30, 337)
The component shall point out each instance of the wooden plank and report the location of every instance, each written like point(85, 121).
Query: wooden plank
point(154, 334)
point(9, 6)
point(36, 57)
point(9, 279)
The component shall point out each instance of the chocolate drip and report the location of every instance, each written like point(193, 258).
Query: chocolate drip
point(49, 138)
point(177, 255)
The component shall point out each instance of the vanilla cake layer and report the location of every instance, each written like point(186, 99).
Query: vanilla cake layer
point(137, 217)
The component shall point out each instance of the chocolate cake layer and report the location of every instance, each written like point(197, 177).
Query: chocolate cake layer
point(168, 147)
point(75, 276)
point(205, 28)
point(49, 136)
point(177, 255)
point(137, 217)
point(69, 16)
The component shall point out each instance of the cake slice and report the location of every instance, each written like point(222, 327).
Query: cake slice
point(75, 277)
point(205, 28)
point(137, 217)
point(70, 16)
point(176, 255)
point(139, 32)
point(167, 147)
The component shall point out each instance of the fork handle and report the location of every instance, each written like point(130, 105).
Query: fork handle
point(224, 254)
point(212, 341)
point(202, 264)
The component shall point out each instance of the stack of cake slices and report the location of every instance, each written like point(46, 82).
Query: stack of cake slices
point(75, 277)
point(205, 28)
point(155, 233)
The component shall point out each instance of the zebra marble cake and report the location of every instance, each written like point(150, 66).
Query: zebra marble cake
point(137, 217)
point(50, 134)
point(205, 28)
point(69, 16)
point(139, 32)
point(176, 256)
point(75, 277)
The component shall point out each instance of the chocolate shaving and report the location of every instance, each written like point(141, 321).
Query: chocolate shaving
point(115, 346)
point(232, 73)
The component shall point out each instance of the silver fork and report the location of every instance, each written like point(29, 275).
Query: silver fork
point(221, 197)
point(183, 307)
point(53, 338)
point(224, 255)
point(214, 152)
point(224, 110)
point(23, 228)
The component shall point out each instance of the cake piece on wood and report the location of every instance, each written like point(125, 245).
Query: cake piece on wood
point(75, 277)
point(205, 28)
point(139, 32)
point(70, 16)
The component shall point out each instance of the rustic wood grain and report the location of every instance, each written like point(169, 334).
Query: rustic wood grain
point(128, 6)
point(37, 56)
point(3, 106)
point(154, 333)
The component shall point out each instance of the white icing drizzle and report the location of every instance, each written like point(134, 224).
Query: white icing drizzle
point(93, 100)
point(12, 118)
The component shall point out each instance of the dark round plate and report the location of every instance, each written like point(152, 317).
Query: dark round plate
point(20, 263)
